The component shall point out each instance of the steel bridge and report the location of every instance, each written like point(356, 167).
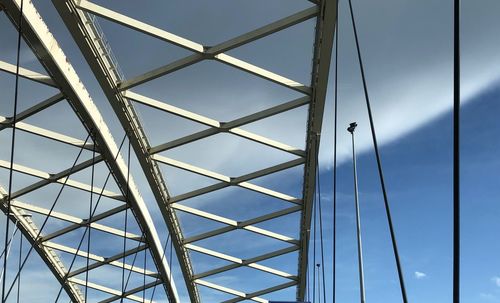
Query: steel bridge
point(68, 210)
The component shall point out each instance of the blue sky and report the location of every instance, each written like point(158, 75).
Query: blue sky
point(418, 175)
point(407, 51)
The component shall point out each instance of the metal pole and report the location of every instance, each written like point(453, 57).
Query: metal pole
point(456, 153)
point(351, 129)
point(319, 284)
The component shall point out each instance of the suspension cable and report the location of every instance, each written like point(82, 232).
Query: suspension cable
point(86, 226)
point(144, 278)
point(379, 164)
point(19, 266)
point(308, 268)
point(25, 260)
point(161, 260)
point(89, 221)
point(314, 250)
point(170, 261)
point(12, 146)
point(456, 152)
point(10, 240)
point(126, 221)
point(334, 249)
point(320, 211)
point(9, 247)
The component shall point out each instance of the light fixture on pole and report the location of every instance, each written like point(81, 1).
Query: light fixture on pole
point(351, 129)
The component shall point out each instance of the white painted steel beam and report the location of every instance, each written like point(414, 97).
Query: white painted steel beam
point(241, 296)
point(38, 107)
point(77, 221)
point(240, 262)
point(132, 291)
point(100, 259)
point(234, 224)
point(218, 127)
point(225, 179)
point(95, 218)
point(52, 178)
point(254, 296)
point(45, 133)
point(27, 74)
point(107, 290)
point(111, 259)
point(69, 182)
point(264, 31)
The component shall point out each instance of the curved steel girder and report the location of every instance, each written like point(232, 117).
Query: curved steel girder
point(30, 232)
point(89, 42)
point(48, 52)
point(325, 29)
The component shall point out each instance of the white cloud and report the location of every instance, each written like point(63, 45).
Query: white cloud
point(420, 275)
point(487, 296)
point(496, 280)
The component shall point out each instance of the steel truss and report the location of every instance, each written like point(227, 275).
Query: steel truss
point(79, 17)
point(62, 76)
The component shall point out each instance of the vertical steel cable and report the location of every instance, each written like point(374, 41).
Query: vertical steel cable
point(90, 219)
point(161, 260)
point(12, 147)
point(314, 251)
point(334, 251)
point(320, 211)
point(19, 266)
point(126, 221)
point(379, 164)
point(456, 152)
point(170, 261)
point(308, 273)
point(144, 278)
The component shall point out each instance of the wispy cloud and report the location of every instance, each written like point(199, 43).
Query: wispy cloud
point(496, 280)
point(487, 296)
point(420, 275)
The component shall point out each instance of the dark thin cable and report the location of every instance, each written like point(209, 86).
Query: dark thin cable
point(334, 251)
point(144, 278)
point(12, 146)
point(19, 266)
point(89, 221)
point(314, 251)
point(379, 164)
point(170, 261)
point(320, 211)
point(456, 153)
point(308, 279)
point(47, 217)
point(10, 240)
point(161, 260)
point(9, 247)
point(126, 221)
point(87, 226)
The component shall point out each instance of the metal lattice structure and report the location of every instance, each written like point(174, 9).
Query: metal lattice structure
point(61, 75)
point(80, 18)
